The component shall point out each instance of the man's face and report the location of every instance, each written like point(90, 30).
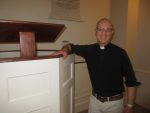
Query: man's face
point(104, 32)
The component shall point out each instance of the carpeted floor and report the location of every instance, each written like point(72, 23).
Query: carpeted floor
point(138, 109)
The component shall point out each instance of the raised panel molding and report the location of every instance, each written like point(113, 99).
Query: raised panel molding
point(20, 87)
point(37, 86)
point(142, 71)
point(82, 101)
point(143, 97)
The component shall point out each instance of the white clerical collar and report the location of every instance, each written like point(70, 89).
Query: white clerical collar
point(102, 47)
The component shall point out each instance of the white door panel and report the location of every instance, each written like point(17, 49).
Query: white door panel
point(32, 86)
point(67, 82)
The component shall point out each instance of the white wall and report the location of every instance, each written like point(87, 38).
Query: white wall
point(142, 53)
point(143, 34)
point(137, 44)
point(131, 19)
point(39, 11)
point(118, 15)
point(76, 32)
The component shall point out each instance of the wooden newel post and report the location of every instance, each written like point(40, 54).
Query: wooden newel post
point(27, 44)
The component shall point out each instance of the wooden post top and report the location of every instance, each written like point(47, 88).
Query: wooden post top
point(44, 32)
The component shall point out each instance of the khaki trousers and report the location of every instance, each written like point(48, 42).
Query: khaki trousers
point(97, 106)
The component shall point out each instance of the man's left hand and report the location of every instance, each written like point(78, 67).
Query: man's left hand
point(128, 110)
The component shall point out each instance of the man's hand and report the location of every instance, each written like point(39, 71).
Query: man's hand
point(64, 51)
point(61, 52)
point(128, 110)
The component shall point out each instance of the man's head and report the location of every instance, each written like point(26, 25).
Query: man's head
point(104, 31)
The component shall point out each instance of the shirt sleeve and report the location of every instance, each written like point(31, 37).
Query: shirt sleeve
point(128, 72)
point(80, 50)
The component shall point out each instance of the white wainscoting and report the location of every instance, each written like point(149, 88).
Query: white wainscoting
point(37, 86)
point(82, 87)
point(82, 102)
point(143, 95)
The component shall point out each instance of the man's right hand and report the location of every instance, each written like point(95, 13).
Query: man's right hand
point(64, 51)
point(61, 52)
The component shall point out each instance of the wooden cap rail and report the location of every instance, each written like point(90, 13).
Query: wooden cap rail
point(16, 59)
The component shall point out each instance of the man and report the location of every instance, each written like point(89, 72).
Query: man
point(109, 66)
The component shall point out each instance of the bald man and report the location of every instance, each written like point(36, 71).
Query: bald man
point(109, 69)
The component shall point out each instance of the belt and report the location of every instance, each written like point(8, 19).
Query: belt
point(107, 99)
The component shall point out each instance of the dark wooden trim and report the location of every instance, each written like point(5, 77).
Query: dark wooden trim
point(34, 58)
point(80, 62)
point(15, 59)
point(44, 32)
point(27, 44)
point(9, 51)
point(36, 50)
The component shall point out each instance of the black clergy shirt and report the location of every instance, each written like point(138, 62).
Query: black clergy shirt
point(108, 68)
